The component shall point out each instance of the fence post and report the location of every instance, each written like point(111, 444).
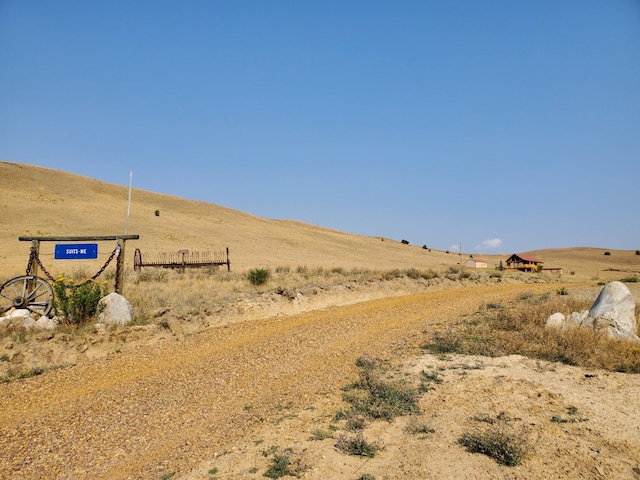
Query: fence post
point(33, 266)
point(120, 266)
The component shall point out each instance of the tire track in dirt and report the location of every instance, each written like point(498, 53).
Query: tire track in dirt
point(165, 407)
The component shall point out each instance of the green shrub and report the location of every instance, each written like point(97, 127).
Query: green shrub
point(634, 279)
point(504, 444)
point(406, 242)
point(607, 253)
point(279, 466)
point(357, 445)
point(637, 252)
point(258, 276)
point(376, 396)
point(76, 304)
point(157, 213)
point(286, 462)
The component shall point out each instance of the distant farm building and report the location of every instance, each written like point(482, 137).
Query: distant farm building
point(476, 263)
point(524, 263)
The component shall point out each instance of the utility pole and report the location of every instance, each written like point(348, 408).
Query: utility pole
point(126, 223)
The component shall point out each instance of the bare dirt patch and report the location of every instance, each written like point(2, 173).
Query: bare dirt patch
point(574, 427)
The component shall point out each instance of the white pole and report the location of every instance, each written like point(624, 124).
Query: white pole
point(126, 225)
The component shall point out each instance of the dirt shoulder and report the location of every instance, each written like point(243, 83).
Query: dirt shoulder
point(186, 406)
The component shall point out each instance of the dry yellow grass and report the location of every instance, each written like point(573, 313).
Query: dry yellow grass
point(37, 201)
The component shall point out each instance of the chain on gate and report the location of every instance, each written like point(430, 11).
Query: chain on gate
point(34, 256)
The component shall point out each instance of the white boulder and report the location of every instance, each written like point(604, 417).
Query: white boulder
point(19, 313)
point(115, 310)
point(20, 317)
point(556, 320)
point(45, 323)
point(613, 312)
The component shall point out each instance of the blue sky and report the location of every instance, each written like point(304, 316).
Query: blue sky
point(501, 126)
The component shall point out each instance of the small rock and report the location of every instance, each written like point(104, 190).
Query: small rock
point(17, 358)
point(556, 320)
point(19, 313)
point(45, 323)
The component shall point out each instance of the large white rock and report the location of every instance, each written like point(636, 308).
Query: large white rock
point(614, 311)
point(115, 310)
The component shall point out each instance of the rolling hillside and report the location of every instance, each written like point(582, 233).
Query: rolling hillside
point(38, 201)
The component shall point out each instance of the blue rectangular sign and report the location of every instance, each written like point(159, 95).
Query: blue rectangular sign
point(76, 251)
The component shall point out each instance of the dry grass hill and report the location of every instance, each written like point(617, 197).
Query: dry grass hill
point(38, 201)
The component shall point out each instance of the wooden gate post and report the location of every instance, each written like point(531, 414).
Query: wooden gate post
point(33, 266)
point(120, 266)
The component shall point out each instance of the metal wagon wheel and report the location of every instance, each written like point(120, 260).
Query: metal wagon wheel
point(27, 291)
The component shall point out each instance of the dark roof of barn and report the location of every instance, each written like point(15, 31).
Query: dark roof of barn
point(526, 258)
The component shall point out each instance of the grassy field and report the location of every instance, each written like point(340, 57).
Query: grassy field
point(43, 202)
point(298, 257)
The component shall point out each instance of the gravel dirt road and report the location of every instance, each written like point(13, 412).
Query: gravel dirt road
point(165, 410)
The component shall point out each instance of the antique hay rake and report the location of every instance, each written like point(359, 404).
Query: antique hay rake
point(183, 259)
